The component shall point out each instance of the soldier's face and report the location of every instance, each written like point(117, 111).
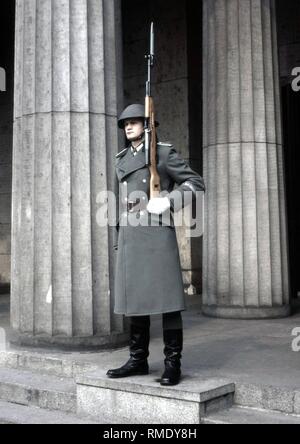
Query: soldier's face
point(134, 129)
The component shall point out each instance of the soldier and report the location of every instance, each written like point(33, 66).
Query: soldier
point(148, 276)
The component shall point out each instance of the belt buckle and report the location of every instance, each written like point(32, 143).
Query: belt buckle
point(131, 204)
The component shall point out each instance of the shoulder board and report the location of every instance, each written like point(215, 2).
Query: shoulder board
point(121, 153)
point(164, 144)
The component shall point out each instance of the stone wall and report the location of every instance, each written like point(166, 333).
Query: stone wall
point(288, 19)
point(170, 83)
point(176, 86)
point(6, 123)
point(288, 14)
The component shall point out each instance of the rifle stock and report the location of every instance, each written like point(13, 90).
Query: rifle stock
point(154, 176)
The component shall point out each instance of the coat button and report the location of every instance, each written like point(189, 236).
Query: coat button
point(124, 183)
point(144, 180)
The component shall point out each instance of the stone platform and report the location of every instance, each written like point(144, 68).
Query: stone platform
point(142, 399)
point(249, 364)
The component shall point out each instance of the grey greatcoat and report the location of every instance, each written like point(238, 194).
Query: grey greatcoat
point(148, 277)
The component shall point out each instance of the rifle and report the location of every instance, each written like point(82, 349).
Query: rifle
point(150, 131)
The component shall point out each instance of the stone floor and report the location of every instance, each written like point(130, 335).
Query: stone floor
point(255, 352)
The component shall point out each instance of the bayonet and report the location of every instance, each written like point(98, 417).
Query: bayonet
point(150, 131)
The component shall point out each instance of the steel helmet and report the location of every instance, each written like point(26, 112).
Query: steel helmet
point(134, 111)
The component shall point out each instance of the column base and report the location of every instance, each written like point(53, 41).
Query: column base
point(76, 343)
point(230, 312)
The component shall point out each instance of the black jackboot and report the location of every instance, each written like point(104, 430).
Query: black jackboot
point(173, 340)
point(139, 352)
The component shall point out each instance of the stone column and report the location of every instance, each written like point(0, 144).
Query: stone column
point(245, 245)
point(67, 85)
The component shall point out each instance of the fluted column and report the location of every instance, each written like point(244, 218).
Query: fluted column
point(245, 246)
point(65, 137)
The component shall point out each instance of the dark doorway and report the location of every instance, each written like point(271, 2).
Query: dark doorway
point(7, 26)
point(291, 115)
point(288, 19)
point(177, 87)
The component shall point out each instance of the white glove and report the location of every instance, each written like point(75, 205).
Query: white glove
point(158, 205)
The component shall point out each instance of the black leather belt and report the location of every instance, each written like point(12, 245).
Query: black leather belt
point(133, 206)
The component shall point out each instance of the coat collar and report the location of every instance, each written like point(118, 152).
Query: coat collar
point(130, 163)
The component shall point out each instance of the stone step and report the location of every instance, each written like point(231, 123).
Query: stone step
point(142, 400)
point(283, 399)
point(20, 414)
point(274, 398)
point(244, 415)
point(44, 363)
point(39, 390)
